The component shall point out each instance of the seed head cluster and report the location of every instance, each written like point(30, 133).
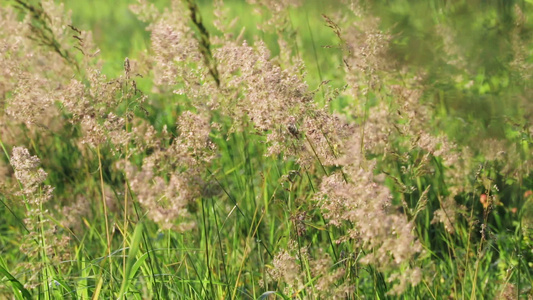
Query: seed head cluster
point(358, 150)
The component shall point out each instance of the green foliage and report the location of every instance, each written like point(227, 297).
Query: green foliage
point(373, 151)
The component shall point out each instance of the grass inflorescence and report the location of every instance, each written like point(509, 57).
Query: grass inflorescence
point(266, 150)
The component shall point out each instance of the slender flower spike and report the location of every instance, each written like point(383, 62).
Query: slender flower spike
point(27, 170)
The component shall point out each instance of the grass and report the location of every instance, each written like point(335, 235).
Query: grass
point(428, 163)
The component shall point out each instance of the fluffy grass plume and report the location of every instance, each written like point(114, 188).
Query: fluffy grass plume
point(266, 150)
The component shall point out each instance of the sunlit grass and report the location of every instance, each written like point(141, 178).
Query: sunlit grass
point(432, 138)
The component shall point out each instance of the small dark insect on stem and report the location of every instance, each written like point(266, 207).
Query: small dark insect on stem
point(293, 130)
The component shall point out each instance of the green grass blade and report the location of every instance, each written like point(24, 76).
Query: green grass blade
point(18, 288)
point(134, 248)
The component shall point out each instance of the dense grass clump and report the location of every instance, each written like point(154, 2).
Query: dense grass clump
point(265, 150)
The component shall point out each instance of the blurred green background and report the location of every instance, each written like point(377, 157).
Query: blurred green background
point(462, 50)
point(475, 100)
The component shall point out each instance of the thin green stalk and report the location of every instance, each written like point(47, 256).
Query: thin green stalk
point(104, 206)
point(245, 254)
point(207, 253)
point(222, 254)
point(317, 157)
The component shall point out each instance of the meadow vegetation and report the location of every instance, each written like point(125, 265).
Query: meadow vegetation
point(283, 149)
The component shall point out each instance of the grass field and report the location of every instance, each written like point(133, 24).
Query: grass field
point(266, 149)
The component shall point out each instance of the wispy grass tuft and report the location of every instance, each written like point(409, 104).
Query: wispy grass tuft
point(269, 150)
